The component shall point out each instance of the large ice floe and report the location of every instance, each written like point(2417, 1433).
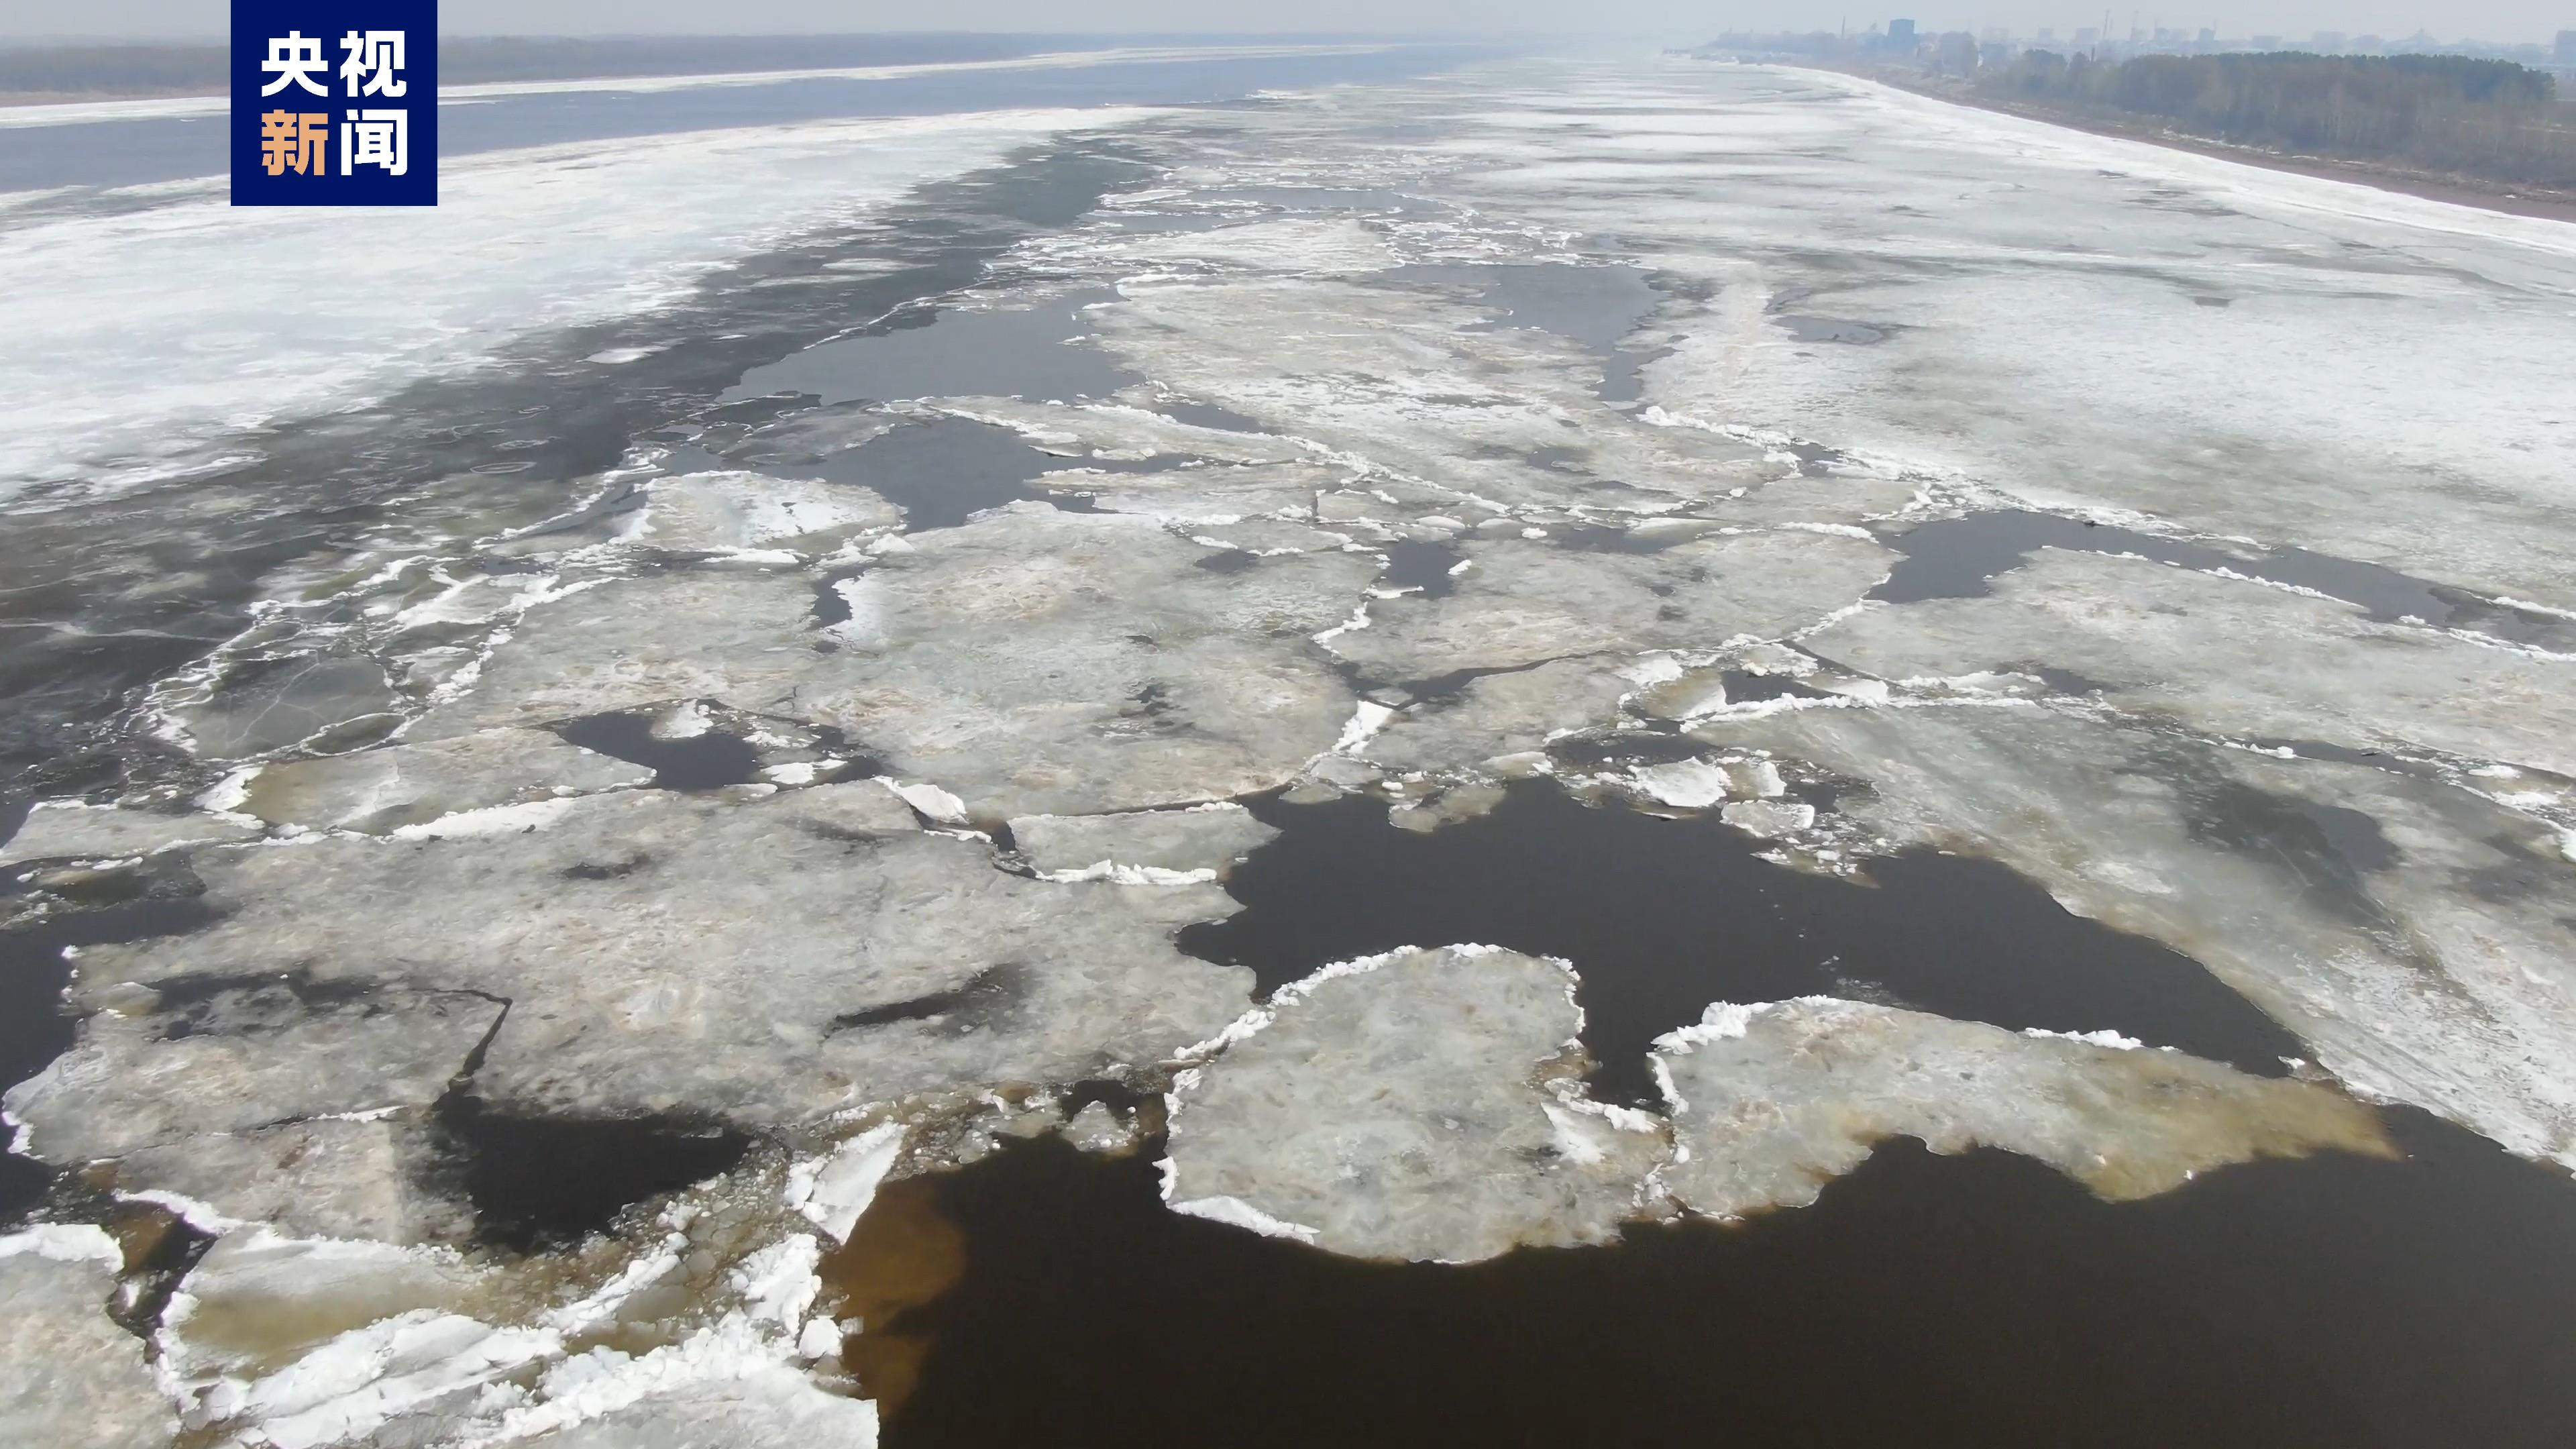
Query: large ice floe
point(1428, 1104)
point(510, 964)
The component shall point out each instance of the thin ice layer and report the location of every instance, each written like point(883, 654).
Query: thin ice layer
point(1770, 1102)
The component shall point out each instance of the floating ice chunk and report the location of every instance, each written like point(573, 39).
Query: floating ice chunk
point(930, 800)
point(722, 1386)
point(1684, 784)
point(834, 1191)
point(1096, 1129)
point(414, 1363)
point(382, 790)
point(1367, 718)
point(1234, 1212)
point(1409, 1106)
point(1038, 662)
point(1772, 1101)
point(1447, 807)
point(519, 819)
point(2103, 1038)
point(70, 830)
point(1769, 819)
point(1758, 778)
point(75, 1376)
point(1159, 846)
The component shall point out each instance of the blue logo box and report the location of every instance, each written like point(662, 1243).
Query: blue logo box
point(335, 104)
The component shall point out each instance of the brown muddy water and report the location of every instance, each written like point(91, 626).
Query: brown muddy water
point(1047, 1297)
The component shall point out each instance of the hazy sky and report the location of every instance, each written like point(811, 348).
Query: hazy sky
point(1669, 20)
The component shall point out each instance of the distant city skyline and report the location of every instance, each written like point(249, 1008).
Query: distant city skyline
point(1667, 21)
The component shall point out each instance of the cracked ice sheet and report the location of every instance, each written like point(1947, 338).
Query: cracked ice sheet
point(1527, 601)
point(1773, 1101)
point(74, 1376)
point(1425, 1104)
point(239, 1059)
point(1037, 662)
point(1389, 375)
point(767, 962)
point(2230, 656)
point(70, 830)
point(2352, 367)
point(2415, 935)
point(262, 1106)
point(381, 790)
point(1028, 662)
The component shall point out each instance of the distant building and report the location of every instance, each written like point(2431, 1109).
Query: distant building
point(2087, 37)
point(2328, 42)
point(2047, 35)
point(2208, 37)
point(2267, 42)
point(1900, 34)
point(2567, 47)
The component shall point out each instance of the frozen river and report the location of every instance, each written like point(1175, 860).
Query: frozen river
point(1312, 747)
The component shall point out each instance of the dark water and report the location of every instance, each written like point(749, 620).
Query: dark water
point(1663, 916)
point(1957, 558)
point(33, 973)
point(547, 1182)
point(945, 471)
point(1974, 1301)
point(1035, 353)
point(1413, 564)
point(1596, 307)
point(706, 761)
